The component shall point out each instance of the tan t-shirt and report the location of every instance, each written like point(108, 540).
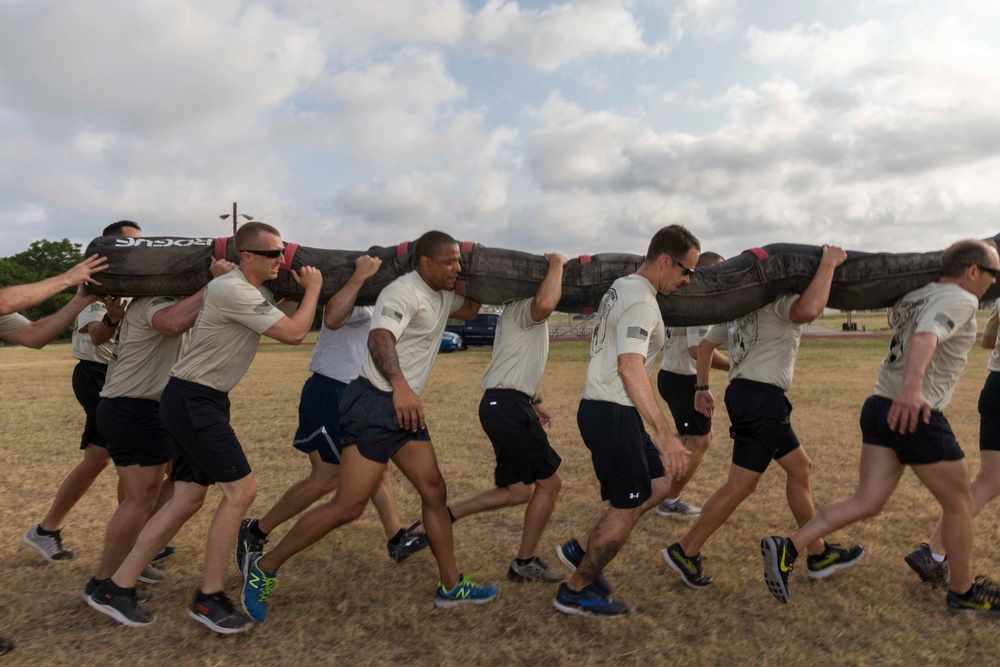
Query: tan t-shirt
point(992, 328)
point(84, 348)
point(628, 321)
point(141, 362)
point(676, 343)
point(945, 310)
point(415, 315)
point(227, 332)
point(520, 349)
point(12, 323)
point(763, 344)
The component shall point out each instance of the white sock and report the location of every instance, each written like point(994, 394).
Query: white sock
point(938, 558)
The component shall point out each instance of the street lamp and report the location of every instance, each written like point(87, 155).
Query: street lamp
point(236, 218)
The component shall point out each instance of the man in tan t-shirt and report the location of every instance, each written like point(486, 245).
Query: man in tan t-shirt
point(902, 425)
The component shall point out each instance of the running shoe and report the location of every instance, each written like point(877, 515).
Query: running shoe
point(466, 591)
point(6, 645)
point(834, 559)
point(929, 570)
point(124, 608)
point(588, 602)
point(778, 564)
point(689, 567)
point(678, 509)
point(571, 555)
point(150, 575)
point(167, 552)
point(257, 588)
point(218, 614)
point(533, 570)
point(410, 543)
point(982, 598)
point(247, 543)
point(50, 546)
point(141, 595)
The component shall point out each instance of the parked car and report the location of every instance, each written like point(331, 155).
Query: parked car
point(480, 330)
point(451, 342)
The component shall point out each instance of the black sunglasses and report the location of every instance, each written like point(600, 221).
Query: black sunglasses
point(686, 269)
point(988, 269)
point(270, 254)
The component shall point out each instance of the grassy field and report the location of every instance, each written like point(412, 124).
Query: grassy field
point(344, 603)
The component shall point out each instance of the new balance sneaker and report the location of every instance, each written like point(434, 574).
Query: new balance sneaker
point(677, 509)
point(50, 546)
point(218, 614)
point(533, 570)
point(588, 602)
point(167, 552)
point(778, 564)
point(247, 543)
point(834, 559)
point(982, 598)
point(464, 592)
point(929, 570)
point(571, 555)
point(257, 588)
point(689, 567)
point(151, 575)
point(141, 595)
point(408, 544)
point(124, 608)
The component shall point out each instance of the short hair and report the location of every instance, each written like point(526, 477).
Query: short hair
point(709, 259)
point(116, 228)
point(673, 240)
point(430, 244)
point(250, 231)
point(960, 255)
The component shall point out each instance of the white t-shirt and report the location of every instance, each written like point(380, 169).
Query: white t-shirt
point(676, 343)
point(415, 315)
point(628, 321)
point(12, 323)
point(992, 328)
point(227, 332)
point(945, 310)
point(763, 344)
point(520, 349)
point(340, 352)
point(84, 348)
point(141, 362)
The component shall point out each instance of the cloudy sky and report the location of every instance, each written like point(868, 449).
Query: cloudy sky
point(577, 126)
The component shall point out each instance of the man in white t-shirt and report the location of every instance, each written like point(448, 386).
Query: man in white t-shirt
point(336, 361)
point(676, 383)
point(512, 415)
point(194, 408)
point(934, 328)
point(92, 345)
point(762, 347)
point(382, 418)
point(634, 469)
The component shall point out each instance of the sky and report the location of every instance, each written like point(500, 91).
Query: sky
point(577, 127)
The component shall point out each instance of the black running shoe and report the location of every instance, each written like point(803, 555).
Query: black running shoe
point(247, 543)
point(834, 559)
point(778, 564)
point(167, 552)
point(689, 567)
point(123, 608)
point(409, 544)
point(571, 554)
point(982, 598)
point(921, 560)
point(141, 594)
point(6, 645)
point(588, 602)
point(218, 614)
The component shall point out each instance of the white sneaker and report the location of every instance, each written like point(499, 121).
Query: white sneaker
point(678, 509)
point(50, 546)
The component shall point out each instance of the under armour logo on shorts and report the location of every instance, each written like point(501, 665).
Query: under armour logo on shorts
point(633, 495)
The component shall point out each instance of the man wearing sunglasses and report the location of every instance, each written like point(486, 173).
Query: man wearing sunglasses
point(194, 408)
point(762, 349)
point(934, 327)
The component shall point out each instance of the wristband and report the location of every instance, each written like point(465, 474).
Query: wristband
point(701, 387)
point(106, 321)
point(536, 401)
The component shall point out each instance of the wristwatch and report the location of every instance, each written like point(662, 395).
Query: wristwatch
point(106, 321)
point(701, 387)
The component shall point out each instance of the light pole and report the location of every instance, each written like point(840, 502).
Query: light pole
point(236, 218)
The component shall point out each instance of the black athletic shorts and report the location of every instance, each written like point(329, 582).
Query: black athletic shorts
point(206, 449)
point(678, 391)
point(135, 433)
point(989, 414)
point(368, 421)
point(319, 418)
point(521, 446)
point(88, 381)
point(930, 443)
point(625, 460)
point(761, 424)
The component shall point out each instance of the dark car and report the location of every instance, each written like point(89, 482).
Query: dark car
point(480, 330)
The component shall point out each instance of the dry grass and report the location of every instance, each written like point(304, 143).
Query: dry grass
point(343, 603)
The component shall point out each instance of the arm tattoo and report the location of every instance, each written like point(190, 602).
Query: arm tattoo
point(382, 347)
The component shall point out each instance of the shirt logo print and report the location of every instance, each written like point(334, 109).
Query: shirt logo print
point(264, 308)
point(636, 332)
point(388, 312)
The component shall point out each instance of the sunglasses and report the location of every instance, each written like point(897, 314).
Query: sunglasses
point(270, 254)
point(988, 269)
point(686, 269)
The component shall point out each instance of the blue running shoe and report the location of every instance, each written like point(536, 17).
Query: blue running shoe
point(588, 602)
point(465, 591)
point(571, 554)
point(257, 588)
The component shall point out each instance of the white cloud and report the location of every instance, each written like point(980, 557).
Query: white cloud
point(819, 50)
point(710, 18)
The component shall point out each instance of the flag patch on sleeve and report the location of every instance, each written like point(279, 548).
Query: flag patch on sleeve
point(264, 308)
point(389, 312)
point(944, 321)
point(636, 332)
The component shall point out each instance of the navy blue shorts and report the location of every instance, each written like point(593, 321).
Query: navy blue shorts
point(989, 414)
point(678, 391)
point(319, 418)
point(134, 431)
point(519, 442)
point(761, 424)
point(625, 460)
point(930, 443)
point(206, 449)
point(88, 381)
point(368, 421)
